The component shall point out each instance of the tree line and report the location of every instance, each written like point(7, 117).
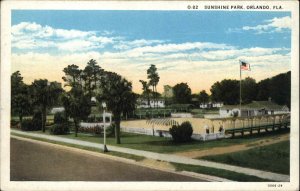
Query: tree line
point(92, 81)
point(116, 91)
point(277, 88)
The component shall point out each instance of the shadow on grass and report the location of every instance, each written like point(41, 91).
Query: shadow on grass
point(171, 143)
point(263, 134)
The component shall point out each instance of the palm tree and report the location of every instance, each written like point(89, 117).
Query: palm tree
point(146, 90)
point(45, 94)
point(153, 79)
point(119, 98)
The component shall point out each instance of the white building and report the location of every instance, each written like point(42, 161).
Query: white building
point(57, 109)
point(143, 103)
point(256, 108)
point(168, 91)
point(211, 105)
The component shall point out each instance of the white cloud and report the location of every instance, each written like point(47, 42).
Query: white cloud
point(26, 35)
point(273, 25)
point(197, 68)
point(235, 53)
point(192, 62)
point(169, 48)
point(124, 45)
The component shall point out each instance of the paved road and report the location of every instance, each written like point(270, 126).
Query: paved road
point(39, 162)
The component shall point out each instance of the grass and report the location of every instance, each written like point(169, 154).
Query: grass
point(219, 172)
point(118, 154)
point(166, 145)
point(274, 158)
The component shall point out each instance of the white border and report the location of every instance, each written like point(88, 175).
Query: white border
point(7, 6)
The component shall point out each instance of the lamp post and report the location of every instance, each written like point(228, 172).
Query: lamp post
point(104, 125)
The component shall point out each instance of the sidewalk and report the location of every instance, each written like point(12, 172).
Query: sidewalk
point(166, 157)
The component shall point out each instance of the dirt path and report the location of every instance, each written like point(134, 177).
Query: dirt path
point(234, 148)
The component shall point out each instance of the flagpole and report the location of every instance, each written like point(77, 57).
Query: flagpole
point(240, 89)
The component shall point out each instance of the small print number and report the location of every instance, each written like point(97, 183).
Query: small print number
point(275, 185)
point(192, 7)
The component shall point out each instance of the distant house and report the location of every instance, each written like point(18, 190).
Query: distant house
point(57, 109)
point(168, 92)
point(211, 105)
point(256, 108)
point(143, 103)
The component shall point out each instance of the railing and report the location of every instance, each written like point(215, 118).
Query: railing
point(252, 129)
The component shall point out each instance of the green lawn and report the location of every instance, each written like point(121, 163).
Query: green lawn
point(166, 145)
point(219, 173)
point(274, 158)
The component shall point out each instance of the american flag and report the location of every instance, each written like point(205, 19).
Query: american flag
point(245, 65)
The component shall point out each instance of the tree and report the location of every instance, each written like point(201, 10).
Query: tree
point(119, 98)
point(97, 71)
point(77, 105)
point(249, 90)
point(72, 75)
point(20, 99)
point(146, 90)
point(91, 74)
point(280, 89)
point(181, 133)
point(263, 89)
point(153, 79)
point(182, 93)
point(45, 94)
point(87, 77)
point(226, 91)
point(203, 97)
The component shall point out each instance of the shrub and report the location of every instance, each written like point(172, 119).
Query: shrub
point(14, 123)
point(60, 129)
point(181, 133)
point(96, 129)
point(59, 118)
point(110, 130)
point(37, 121)
point(27, 125)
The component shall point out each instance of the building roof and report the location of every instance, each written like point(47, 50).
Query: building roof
point(257, 105)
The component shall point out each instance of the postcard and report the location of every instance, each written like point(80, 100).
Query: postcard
point(149, 95)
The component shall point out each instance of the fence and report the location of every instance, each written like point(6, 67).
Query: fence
point(181, 115)
point(138, 130)
point(258, 129)
point(163, 133)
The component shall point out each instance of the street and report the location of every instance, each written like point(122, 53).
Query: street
point(38, 162)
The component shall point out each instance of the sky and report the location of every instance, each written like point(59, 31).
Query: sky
point(194, 47)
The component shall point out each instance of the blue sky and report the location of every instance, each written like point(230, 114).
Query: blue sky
point(204, 44)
